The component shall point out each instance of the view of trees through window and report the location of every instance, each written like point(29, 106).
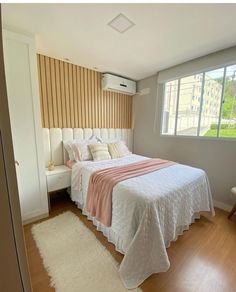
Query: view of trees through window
point(201, 105)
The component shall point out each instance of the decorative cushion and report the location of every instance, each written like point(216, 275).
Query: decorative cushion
point(81, 151)
point(78, 149)
point(99, 151)
point(68, 146)
point(118, 149)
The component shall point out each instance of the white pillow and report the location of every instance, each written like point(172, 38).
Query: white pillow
point(67, 146)
point(98, 139)
point(78, 149)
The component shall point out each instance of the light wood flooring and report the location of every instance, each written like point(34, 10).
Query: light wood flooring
point(203, 259)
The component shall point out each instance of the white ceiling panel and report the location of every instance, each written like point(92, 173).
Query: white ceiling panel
point(163, 35)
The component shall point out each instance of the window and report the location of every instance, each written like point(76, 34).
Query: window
point(170, 106)
point(212, 100)
point(201, 105)
point(187, 118)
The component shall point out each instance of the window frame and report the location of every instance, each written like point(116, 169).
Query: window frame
point(175, 135)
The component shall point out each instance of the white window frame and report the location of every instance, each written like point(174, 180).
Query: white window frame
point(200, 110)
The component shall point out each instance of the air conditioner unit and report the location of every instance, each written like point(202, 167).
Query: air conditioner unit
point(118, 84)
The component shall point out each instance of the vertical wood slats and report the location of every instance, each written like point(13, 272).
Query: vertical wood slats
point(72, 97)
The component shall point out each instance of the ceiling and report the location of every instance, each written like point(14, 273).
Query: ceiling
point(163, 35)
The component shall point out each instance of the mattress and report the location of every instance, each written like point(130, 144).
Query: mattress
point(148, 212)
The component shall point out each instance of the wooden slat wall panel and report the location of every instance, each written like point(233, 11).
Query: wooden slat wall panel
point(72, 97)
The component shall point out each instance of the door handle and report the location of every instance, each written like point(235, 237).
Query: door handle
point(17, 163)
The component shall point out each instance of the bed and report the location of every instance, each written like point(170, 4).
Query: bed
point(148, 212)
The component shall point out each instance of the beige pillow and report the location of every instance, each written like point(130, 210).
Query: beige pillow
point(118, 150)
point(99, 151)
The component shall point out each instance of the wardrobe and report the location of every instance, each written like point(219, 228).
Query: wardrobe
point(25, 117)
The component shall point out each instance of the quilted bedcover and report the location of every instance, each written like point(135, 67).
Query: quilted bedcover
point(148, 212)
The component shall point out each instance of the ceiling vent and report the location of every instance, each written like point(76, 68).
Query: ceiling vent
point(121, 23)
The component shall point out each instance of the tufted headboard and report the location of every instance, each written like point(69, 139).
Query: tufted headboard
point(53, 138)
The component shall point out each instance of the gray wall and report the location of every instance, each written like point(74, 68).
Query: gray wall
point(216, 157)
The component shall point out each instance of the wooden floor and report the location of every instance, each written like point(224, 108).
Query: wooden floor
point(202, 259)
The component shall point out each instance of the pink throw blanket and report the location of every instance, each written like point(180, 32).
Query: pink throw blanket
point(102, 182)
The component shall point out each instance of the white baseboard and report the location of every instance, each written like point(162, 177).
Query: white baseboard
point(222, 206)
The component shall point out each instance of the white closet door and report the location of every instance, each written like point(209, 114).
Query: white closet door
point(24, 107)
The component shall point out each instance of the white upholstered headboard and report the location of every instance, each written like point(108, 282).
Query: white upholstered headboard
point(53, 146)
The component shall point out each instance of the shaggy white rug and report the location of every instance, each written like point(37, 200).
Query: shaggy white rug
point(75, 260)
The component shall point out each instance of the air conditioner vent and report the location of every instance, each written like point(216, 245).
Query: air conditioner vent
point(118, 84)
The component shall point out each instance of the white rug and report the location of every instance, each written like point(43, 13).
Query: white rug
point(75, 260)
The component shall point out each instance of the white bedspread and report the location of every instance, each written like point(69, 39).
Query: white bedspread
point(148, 212)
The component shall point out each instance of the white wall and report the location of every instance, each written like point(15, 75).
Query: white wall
point(216, 157)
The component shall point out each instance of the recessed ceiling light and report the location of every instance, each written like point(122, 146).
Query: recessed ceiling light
point(121, 23)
